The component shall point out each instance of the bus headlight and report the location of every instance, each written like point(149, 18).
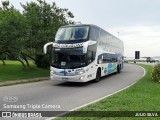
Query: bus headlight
point(79, 71)
point(52, 72)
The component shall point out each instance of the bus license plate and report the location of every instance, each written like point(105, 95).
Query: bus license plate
point(64, 78)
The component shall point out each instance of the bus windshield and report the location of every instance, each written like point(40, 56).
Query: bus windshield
point(66, 58)
point(72, 33)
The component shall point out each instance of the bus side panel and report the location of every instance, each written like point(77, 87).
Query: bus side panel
point(91, 71)
point(108, 68)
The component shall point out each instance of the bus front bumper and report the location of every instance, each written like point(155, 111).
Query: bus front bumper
point(77, 78)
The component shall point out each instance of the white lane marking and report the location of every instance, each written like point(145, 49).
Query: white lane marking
point(144, 72)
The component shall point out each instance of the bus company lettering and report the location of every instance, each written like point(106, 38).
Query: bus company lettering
point(67, 45)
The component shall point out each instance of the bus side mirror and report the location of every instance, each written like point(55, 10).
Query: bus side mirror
point(45, 47)
point(100, 61)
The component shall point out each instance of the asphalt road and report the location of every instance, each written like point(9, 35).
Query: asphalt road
point(64, 96)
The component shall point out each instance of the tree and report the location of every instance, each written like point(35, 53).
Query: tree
point(22, 35)
point(44, 20)
point(12, 33)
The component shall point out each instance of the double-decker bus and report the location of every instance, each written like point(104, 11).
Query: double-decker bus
point(84, 52)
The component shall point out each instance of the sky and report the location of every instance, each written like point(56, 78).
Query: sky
point(135, 22)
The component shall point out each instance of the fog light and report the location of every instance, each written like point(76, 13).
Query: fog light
point(81, 78)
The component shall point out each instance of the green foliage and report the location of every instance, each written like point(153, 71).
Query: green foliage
point(13, 30)
point(156, 73)
point(143, 96)
point(44, 20)
point(42, 61)
point(23, 35)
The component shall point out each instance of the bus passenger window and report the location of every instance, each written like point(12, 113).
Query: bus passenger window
point(89, 57)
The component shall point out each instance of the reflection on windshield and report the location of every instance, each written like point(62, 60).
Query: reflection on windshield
point(72, 33)
point(68, 58)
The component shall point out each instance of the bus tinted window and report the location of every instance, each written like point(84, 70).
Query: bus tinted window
point(108, 57)
point(72, 33)
point(94, 33)
point(91, 53)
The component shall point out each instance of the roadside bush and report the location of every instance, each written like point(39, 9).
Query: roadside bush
point(42, 61)
point(156, 73)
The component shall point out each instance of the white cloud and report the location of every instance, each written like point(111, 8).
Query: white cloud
point(143, 38)
point(137, 21)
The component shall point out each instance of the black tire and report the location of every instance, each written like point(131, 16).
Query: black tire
point(98, 76)
point(118, 69)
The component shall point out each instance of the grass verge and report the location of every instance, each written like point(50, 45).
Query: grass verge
point(143, 96)
point(13, 70)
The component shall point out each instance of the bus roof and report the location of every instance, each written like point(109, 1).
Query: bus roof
point(76, 25)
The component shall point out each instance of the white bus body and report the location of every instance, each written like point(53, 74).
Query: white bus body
point(84, 52)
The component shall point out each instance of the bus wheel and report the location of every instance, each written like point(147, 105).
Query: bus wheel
point(118, 69)
point(98, 76)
